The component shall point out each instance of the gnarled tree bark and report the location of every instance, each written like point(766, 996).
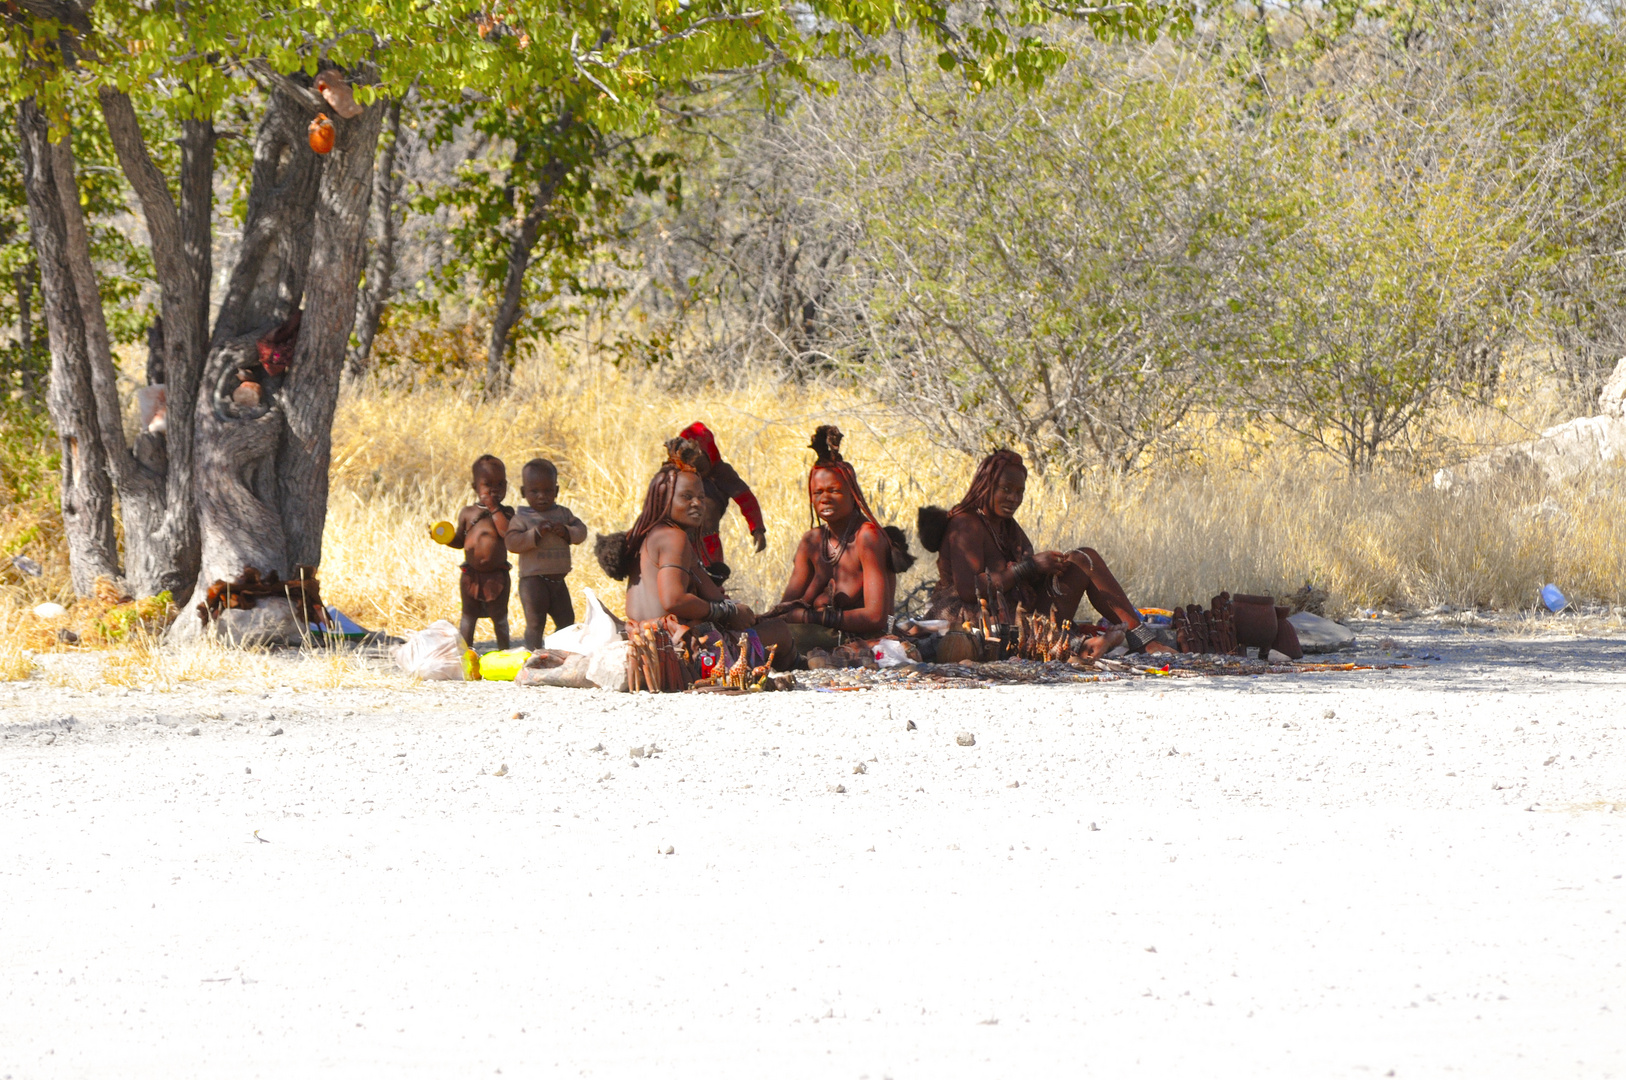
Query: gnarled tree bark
point(156, 484)
point(262, 477)
point(381, 268)
point(87, 483)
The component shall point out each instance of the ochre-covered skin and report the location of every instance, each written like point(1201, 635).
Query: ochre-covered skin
point(481, 534)
point(982, 545)
point(843, 566)
point(670, 579)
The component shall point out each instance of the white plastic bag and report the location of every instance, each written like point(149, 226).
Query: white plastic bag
point(435, 652)
point(593, 632)
point(607, 667)
point(573, 672)
point(889, 652)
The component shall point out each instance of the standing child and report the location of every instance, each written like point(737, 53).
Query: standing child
point(541, 535)
point(481, 530)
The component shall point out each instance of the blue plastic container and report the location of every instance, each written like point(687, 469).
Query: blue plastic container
point(1553, 599)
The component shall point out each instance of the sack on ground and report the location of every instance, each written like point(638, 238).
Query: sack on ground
point(1318, 635)
point(607, 667)
point(435, 652)
point(596, 630)
point(570, 670)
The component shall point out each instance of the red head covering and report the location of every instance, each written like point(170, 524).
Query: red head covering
point(700, 433)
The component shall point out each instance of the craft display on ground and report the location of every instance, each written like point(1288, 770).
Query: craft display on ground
point(1000, 612)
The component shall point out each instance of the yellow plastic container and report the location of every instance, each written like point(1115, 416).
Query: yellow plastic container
point(442, 532)
point(503, 666)
point(471, 666)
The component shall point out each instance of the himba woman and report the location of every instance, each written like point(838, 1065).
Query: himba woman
point(661, 565)
point(844, 582)
point(982, 553)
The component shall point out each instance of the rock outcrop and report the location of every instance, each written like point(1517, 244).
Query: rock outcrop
point(1559, 452)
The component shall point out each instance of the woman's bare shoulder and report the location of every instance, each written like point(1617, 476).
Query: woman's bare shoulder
point(666, 540)
point(963, 525)
point(871, 537)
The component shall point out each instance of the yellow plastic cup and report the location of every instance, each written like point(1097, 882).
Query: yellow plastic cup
point(471, 666)
point(503, 666)
point(442, 532)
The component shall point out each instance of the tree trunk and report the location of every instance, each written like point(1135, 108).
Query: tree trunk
point(25, 329)
point(312, 391)
point(87, 486)
point(519, 260)
point(381, 271)
point(156, 480)
point(262, 472)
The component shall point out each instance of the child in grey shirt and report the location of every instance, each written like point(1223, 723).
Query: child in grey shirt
point(541, 534)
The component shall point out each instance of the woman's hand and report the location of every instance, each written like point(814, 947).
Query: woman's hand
point(744, 618)
point(791, 613)
point(1049, 562)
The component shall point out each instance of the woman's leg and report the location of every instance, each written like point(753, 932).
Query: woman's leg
point(1087, 574)
point(777, 632)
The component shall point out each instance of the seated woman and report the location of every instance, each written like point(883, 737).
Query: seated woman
point(844, 582)
point(658, 560)
point(983, 554)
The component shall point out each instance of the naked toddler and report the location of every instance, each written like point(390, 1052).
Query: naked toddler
point(481, 531)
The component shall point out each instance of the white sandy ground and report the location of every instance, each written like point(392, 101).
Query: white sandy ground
point(1409, 874)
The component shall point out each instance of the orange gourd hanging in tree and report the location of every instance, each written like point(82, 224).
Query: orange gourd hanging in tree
point(321, 134)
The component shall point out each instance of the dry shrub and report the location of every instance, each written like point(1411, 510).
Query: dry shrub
point(401, 462)
point(1239, 520)
point(16, 655)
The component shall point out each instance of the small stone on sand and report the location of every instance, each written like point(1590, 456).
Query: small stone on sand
point(838, 789)
point(670, 850)
point(502, 770)
point(965, 738)
point(194, 731)
point(637, 751)
point(860, 768)
point(1014, 783)
point(1329, 714)
point(909, 725)
point(276, 731)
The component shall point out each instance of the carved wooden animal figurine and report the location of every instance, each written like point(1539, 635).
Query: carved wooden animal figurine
point(741, 667)
point(758, 674)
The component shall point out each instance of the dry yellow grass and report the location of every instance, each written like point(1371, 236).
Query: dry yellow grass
point(401, 462)
point(16, 658)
